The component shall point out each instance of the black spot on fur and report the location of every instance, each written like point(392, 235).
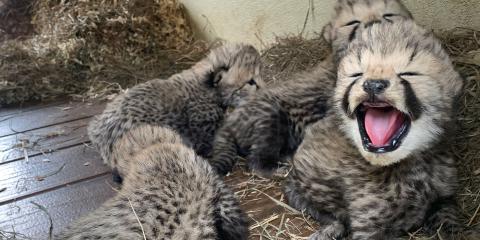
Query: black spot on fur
point(116, 176)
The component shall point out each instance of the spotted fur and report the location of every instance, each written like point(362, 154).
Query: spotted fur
point(269, 127)
point(353, 15)
point(356, 194)
point(193, 102)
point(173, 191)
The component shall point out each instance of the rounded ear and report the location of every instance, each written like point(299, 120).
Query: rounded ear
point(327, 32)
point(216, 76)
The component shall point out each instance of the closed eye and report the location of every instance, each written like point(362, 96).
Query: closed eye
point(355, 75)
point(387, 15)
point(409, 74)
point(352, 23)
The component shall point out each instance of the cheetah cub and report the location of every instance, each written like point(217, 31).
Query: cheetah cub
point(268, 128)
point(193, 102)
point(353, 15)
point(169, 192)
point(378, 166)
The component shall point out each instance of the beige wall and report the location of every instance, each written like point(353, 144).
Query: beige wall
point(260, 21)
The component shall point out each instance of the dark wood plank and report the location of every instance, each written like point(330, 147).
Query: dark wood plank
point(30, 106)
point(49, 116)
point(43, 140)
point(23, 179)
point(64, 205)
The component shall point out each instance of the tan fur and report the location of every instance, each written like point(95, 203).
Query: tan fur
point(174, 192)
point(436, 87)
point(365, 12)
point(359, 195)
point(193, 102)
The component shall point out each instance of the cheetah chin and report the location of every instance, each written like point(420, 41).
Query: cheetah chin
point(382, 127)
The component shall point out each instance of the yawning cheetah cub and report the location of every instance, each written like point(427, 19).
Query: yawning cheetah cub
point(192, 102)
point(168, 193)
point(379, 166)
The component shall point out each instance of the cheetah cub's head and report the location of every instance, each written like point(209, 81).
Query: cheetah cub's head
point(236, 72)
point(395, 91)
point(353, 15)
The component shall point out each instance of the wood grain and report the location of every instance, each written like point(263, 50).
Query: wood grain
point(44, 173)
point(43, 140)
point(64, 205)
point(49, 116)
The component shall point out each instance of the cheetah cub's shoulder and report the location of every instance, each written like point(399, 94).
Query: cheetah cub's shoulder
point(193, 102)
point(378, 166)
point(175, 195)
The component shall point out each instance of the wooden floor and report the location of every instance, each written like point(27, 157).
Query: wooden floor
point(50, 176)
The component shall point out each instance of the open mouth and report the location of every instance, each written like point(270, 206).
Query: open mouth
point(382, 126)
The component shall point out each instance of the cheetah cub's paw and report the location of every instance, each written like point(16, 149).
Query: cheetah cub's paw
point(335, 230)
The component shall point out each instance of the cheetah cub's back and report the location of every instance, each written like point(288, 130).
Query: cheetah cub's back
point(174, 194)
point(193, 102)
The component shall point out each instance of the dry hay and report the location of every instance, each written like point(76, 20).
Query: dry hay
point(293, 54)
point(93, 47)
point(464, 47)
point(15, 19)
point(270, 216)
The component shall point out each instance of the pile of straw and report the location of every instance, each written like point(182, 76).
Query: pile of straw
point(84, 47)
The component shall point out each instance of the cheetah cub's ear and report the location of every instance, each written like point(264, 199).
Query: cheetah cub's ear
point(236, 72)
point(216, 76)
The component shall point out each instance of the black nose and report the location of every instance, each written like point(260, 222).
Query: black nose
point(375, 86)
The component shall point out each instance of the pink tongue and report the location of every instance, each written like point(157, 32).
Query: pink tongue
point(382, 124)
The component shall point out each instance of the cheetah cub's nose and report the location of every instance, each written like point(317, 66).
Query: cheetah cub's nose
point(373, 87)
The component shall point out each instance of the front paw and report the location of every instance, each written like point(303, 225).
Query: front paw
point(334, 231)
point(444, 223)
point(471, 234)
point(279, 172)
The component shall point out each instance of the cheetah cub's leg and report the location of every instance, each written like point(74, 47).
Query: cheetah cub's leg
point(335, 230)
point(203, 120)
point(323, 201)
point(231, 222)
point(443, 217)
point(269, 139)
point(224, 152)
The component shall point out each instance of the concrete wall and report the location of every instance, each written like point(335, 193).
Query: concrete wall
point(260, 21)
